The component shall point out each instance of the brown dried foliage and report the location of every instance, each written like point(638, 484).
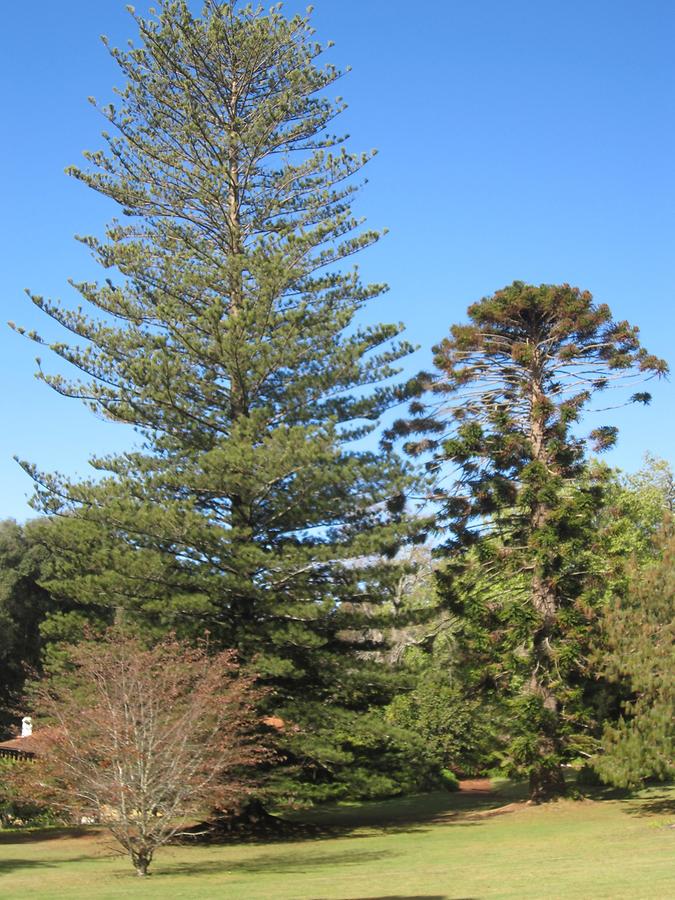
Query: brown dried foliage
point(143, 740)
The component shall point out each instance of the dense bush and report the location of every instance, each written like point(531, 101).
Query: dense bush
point(16, 809)
point(462, 732)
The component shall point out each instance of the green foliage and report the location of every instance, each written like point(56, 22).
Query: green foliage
point(640, 647)
point(460, 731)
point(449, 780)
point(631, 518)
point(23, 607)
point(587, 777)
point(503, 408)
point(17, 809)
point(227, 333)
point(634, 510)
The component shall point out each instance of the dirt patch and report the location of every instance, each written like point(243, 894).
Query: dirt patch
point(499, 810)
point(476, 785)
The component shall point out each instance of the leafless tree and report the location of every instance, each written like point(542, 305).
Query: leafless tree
point(143, 740)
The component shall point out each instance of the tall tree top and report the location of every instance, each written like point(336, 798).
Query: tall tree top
point(236, 236)
point(545, 348)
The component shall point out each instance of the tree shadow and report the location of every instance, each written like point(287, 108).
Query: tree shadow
point(272, 863)
point(401, 815)
point(654, 799)
point(410, 897)
point(419, 812)
point(33, 835)
point(13, 865)
point(658, 805)
point(602, 792)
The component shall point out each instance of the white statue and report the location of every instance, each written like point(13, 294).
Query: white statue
point(26, 726)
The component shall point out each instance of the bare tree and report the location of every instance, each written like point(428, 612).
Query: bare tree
point(143, 740)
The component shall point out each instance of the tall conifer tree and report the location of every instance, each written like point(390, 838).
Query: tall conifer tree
point(228, 336)
point(504, 408)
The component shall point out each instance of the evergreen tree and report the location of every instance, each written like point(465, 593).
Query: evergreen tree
point(639, 640)
point(227, 334)
point(623, 539)
point(24, 604)
point(503, 408)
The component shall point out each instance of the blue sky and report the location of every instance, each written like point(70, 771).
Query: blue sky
point(520, 140)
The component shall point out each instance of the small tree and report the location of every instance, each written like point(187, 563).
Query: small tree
point(143, 739)
point(503, 408)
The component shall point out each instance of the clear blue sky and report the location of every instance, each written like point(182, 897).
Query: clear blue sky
point(523, 140)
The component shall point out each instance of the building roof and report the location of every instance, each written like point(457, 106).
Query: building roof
point(32, 745)
point(25, 747)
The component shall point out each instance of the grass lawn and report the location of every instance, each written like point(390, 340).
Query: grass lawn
point(434, 847)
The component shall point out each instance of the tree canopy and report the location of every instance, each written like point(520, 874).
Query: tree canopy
point(143, 739)
point(502, 411)
point(24, 606)
point(227, 333)
point(639, 647)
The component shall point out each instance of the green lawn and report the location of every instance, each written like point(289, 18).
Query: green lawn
point(436, 847)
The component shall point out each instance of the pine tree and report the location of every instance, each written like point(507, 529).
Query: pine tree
point(227, 335)
point(639, 632)
point(504, 408)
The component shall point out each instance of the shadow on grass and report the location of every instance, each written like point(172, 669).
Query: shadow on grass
point(413, 814)
point(653, 793)
point(410, 897)
point(653, 800)
point(274, 863)
point(657, 805)
point(32, 835)
point(401, 815)
point(13, 865)
point(421, 810)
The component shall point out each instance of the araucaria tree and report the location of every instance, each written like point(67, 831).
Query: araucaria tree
point(227, 334)
point(143, 740)
point(503, 408)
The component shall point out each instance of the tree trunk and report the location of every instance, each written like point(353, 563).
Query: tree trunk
point(141, 860)
point(546, 780)
point(240, 508)
point(546, 784)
